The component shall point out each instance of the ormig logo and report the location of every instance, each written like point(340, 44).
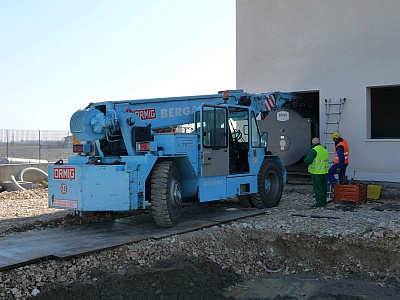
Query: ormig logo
point(144, 114)
point(61, 173)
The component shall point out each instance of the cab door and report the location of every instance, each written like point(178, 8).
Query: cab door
point(212, 126)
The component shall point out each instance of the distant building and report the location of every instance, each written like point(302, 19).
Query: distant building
point(331, 50)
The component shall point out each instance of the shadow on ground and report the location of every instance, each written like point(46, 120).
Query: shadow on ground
point(197, 279)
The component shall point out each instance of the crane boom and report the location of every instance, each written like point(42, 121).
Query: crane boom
point(100, 119)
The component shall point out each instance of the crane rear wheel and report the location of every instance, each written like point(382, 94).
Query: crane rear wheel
point(270, 185)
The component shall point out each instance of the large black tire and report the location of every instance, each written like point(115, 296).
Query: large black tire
point(270, 185)
point(166, 194)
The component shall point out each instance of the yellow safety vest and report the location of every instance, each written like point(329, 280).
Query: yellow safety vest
point(320, 164)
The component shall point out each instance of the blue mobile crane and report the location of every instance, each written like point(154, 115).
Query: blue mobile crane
point(131, 154)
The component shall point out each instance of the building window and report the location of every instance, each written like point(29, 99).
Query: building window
point(385, 112)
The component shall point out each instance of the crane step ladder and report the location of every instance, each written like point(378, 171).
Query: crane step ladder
point(333, 111)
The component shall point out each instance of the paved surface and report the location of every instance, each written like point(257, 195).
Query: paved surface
point(28, 247)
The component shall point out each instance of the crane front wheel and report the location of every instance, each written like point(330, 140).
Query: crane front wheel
point(166, 194)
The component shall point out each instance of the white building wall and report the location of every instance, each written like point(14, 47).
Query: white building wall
point(338, 48)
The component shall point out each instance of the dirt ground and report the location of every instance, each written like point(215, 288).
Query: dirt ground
point(199, 279)
point(290, 252)
point(175, 278)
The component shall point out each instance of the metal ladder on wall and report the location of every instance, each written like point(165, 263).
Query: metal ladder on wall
point(333, 111)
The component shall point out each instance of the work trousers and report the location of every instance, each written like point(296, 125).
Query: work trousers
point(332, 173)
point(320, 185)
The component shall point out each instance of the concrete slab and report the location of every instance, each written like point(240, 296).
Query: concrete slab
point(59, 243)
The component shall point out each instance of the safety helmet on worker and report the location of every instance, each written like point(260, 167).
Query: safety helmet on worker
point(335, 135)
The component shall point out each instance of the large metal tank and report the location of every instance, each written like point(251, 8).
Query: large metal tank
point(289, 134)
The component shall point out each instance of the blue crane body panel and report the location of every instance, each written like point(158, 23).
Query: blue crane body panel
point(70, 186)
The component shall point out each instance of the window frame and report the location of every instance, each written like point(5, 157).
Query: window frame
point(374, 95)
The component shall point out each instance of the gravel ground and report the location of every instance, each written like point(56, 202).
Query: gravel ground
point(338, 242)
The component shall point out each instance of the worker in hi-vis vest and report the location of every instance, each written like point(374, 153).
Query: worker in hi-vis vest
point(340, 159)
point(317, 161)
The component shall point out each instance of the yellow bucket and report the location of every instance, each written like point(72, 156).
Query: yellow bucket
point(373, 191)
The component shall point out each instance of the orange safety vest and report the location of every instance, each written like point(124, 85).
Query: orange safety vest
point(346, 152)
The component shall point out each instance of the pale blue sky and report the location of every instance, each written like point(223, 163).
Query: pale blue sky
point(57, 56)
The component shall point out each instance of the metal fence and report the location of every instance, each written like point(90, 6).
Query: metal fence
point(34, 145)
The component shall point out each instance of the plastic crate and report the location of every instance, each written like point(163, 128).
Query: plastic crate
point(374, 191)
point(350, 193)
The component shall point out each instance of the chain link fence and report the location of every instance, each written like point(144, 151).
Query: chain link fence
point(24, 145)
